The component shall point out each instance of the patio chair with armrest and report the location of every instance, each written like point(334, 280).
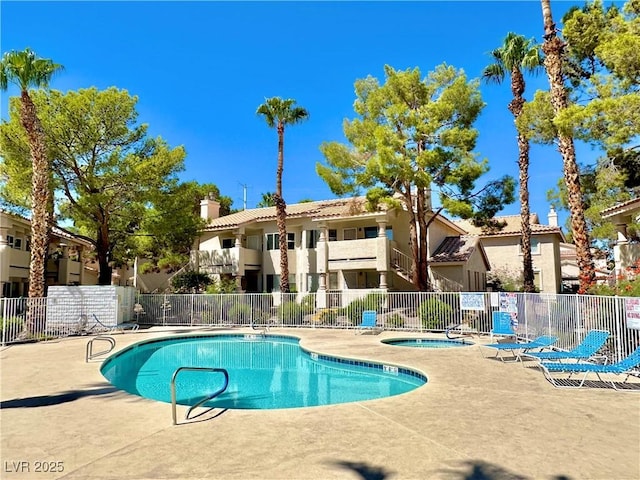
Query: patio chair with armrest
point(502, 325)
point(518, 349)
point(368, 323)
point(120, 327)
point(627, 366)
point(585, 350)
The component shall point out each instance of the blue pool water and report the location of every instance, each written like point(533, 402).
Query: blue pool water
point(264, 373)
point(426, 342)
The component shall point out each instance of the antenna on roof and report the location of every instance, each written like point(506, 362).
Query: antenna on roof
point(244, 195)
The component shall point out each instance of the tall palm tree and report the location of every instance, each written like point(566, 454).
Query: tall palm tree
point(27, 70)
point(553, 48)
point(279, 113)
point(517, 54)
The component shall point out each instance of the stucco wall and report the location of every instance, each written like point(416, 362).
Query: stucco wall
point(504, 252)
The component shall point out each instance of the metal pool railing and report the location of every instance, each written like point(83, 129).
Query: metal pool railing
point(568, 317)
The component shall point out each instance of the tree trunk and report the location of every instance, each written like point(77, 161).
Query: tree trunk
point(417, 239)
point(516, 106)
point(553, 49)
point(40, 224)
point(39, 197)
point(423, 251)
point(525, 214)
point(103, 253)
point(281, 219)
point(281, 215)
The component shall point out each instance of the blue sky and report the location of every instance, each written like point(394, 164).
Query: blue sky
point(200, 70)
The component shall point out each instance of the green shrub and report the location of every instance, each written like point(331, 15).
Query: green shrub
point(328, 316)
point(224, 285)
point(291, 312)
point(190, 282)
point(395, 320)
point(12, 327)
point(373, 301)
point(434, 313)
point(239, 313)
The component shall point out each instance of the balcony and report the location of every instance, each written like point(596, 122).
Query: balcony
point(231, 261)
point(18, 263)
point(357, 254)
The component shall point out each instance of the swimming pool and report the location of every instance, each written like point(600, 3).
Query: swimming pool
point(426, 342)
point(265, 372)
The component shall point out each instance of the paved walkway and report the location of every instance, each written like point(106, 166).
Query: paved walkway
point(476, 419)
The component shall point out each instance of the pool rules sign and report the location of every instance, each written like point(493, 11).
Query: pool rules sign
point(632, 311)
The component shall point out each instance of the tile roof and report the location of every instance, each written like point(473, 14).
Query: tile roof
point(55, 230)
point(341, 207)
point(512, 226)
point(621, 207)
point(455, 249)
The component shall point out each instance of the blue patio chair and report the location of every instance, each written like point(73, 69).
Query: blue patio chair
point(368, 323)
point(518, 349)
point(625, 366)
point(585, 350)
point(502, 325)
point(120, 327)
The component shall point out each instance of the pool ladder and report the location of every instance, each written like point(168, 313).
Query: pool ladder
point(90, 355)
point(205, 399)
point(263, 328)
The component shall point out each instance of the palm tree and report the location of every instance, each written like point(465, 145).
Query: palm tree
point(26, 70)
point(515, 55)
point(553, 48)
point(278, 113)
point(266, 200)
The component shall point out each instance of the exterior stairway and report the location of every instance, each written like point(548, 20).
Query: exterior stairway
point(402, 264)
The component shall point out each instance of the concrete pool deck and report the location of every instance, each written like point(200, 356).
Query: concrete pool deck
point(476, 418)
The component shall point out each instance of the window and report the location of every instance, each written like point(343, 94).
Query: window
point(28, 244)
point(389, 233)
point(17, 244)
point(228, 242)
point(313, 282)
point(333, 281)
point(349, 234)
point(333, 235)
point(535, 247)
point(273, 283)
point(537, 279)
point(273, 240)
point(272, 243)
point(370, 232)
point(312, 238)
point(10, 240)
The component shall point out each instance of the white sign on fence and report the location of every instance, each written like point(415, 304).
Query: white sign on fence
point(632, 312)
point(471, 301)
point(509, 304)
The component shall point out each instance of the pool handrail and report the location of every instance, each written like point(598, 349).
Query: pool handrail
point(89, 355)
point(205, 399)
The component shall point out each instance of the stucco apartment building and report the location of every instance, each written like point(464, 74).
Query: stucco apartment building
point(503, 248)
point(626, 251)
point(334, 245)
point(65, 264)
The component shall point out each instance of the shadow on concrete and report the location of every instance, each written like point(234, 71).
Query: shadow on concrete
point(204, 416)
point(480, 470)
point(366, 472)
point(57, 399)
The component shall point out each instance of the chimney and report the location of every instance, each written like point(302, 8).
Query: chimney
point(209, 208)
point(553, 217)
